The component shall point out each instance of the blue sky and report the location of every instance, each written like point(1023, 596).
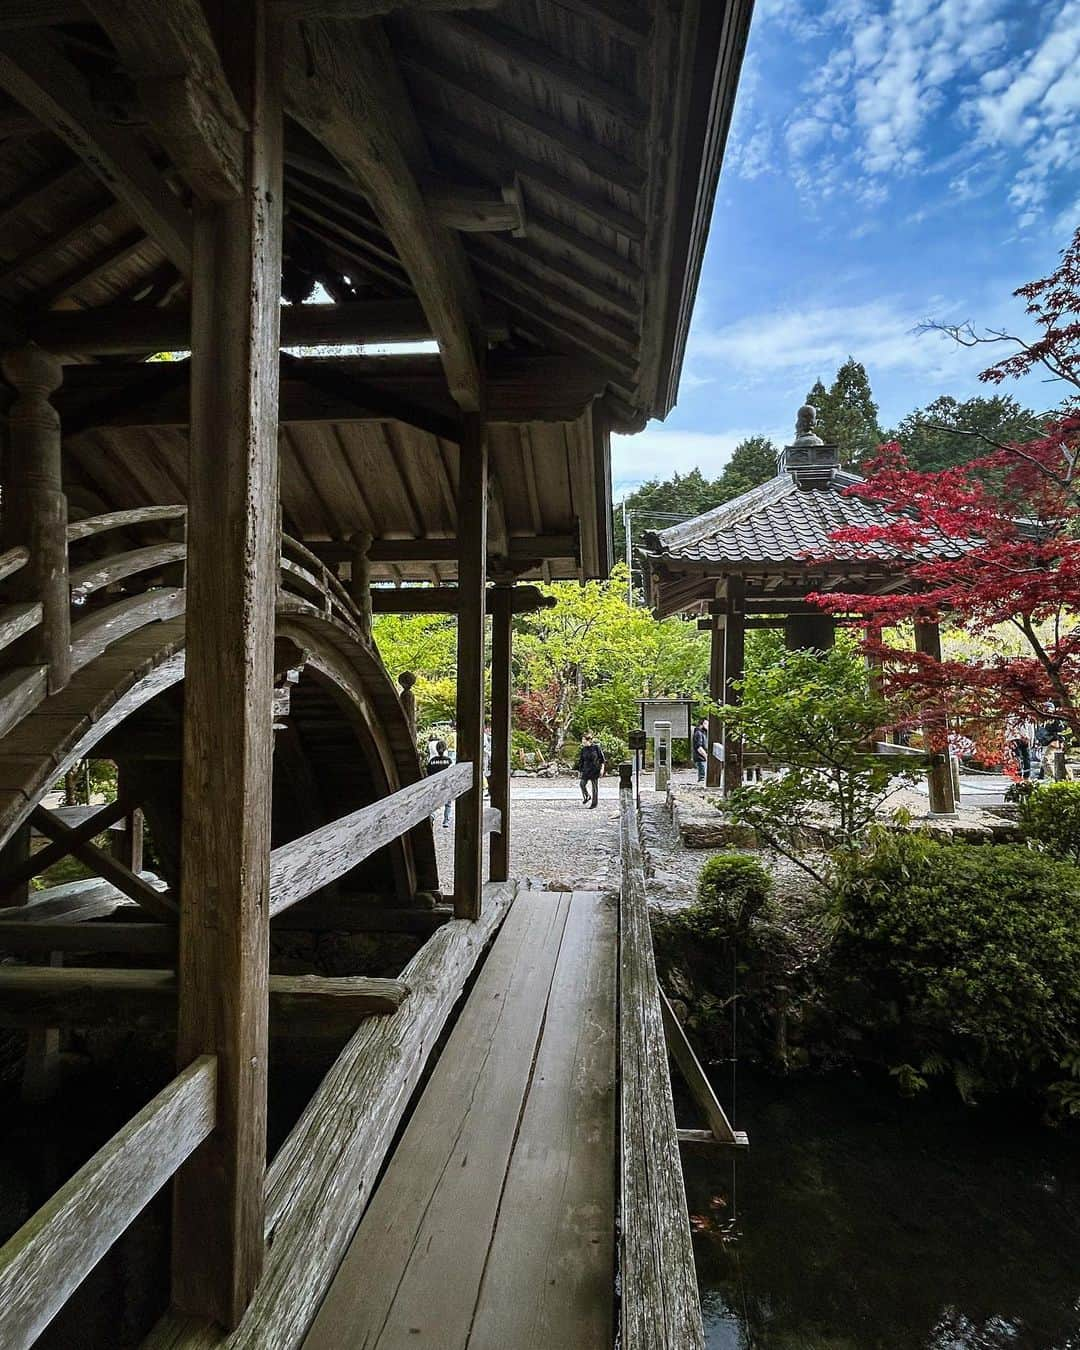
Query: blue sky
point(890, 161)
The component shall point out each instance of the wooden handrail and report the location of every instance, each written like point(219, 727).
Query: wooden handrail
point(52, 1253)
point(116, 520)
point(17, 619)
point(305, 865)
point(329, 582)
point(660, 1309)
point(13, 560)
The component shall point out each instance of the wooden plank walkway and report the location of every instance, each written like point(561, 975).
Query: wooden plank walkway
point(494, 1225)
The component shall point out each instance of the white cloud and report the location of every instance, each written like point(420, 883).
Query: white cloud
point(801, 344)
point(658, 452)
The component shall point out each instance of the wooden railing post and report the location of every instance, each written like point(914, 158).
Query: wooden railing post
point(734, 662)
point(939, 774)
point(472, 577)
point(233, 558)
point(35, 511)
point(360, 580)
point(502, 631)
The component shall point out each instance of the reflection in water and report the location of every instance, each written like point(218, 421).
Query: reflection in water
point(861, 1222)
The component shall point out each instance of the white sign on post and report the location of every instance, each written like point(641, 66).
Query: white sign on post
point(662, 755)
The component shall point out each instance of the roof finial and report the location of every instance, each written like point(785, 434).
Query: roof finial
point(805, 421)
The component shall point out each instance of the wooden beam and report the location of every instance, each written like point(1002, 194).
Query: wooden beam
point(59, 996)
point(478, 210)
point(157, 904)
point(447, 600)
point(344, 87)
point(435, 550)
point(472, 512)
point(28, 938)
point(34, 71)
point(44, 858)
point(40, 13)
point(501, 601)
point(171, 54)
point(370, 9)
point(305, 865)
point(232, 572)
point(43, 1264)
point(521, 389)
point(659, 1304)
point(116, 331)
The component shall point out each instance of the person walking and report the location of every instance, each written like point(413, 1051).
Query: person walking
point(591, 766)
point(700, 746)
point(440, 760)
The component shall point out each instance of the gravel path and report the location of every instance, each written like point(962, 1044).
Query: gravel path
point(554, 838)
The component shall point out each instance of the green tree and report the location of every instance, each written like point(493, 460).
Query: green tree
point(752, 463)
point(815, 714)
point(426, 644)
point(947, 432)
point(594, 655)
point(848, 413)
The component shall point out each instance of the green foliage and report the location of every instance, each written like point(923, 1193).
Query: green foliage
point(934, 437)
point(735, 887)
point(752, 462)
point(962, 959)
point(848, 414)
point(582, 665)
point(814, 714)
point(423, 643)
point(1051, 817)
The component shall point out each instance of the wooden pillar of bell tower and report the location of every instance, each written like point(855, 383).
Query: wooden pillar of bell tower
point(232, 571)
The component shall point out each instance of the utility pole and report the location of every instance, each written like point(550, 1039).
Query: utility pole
point(629, 555)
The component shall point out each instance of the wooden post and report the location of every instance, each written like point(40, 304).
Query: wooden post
point(408, 699)
point(502, 637)
point(472, 577)
point(935, 728)
point(232, 562)
point(734, 662)
point(713, 768)
point(35, 512)
point(360, 582)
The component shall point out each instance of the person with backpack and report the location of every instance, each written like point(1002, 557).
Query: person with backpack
point(700, 747)
point(591, 766)
point(440, 760)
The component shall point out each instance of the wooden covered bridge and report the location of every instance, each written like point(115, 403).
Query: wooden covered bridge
point(276, 194)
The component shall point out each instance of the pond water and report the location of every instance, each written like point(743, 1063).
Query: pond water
point(861, 1222)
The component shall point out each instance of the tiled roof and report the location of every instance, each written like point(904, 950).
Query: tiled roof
point(778, 522)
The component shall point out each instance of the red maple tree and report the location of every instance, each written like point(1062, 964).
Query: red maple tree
point(993, 542)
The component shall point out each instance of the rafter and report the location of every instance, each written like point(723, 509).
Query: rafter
point(525, 118)
point(170, 52)
point(91, 269)
point(508, 44)
point(369, 9)
point(34, 71)
point(499, 160)
point(107, 216)
point(344, 88)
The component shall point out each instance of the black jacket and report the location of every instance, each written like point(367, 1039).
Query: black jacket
point(701, 743)
point(590, 761)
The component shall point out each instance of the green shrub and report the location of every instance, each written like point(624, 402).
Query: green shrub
point(733, 887)
point(1051, 817)
point(962, 959)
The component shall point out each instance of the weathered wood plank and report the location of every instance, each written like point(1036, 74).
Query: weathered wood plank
point(93, 576)
point(21, 690)
point(119, 520)
point(501, 602)
point(354, 914)
point(12, 560)
point(36, 74)
point(324, 1173)
point(47, 1259)
point(305, 865)
point(77, 901)
point(430, 1222)
point(554, 1244)
point(17, 619)
point(659, 1305)
point(52, 996)
point(91, 635)
point(171, 54)
point(491, 823)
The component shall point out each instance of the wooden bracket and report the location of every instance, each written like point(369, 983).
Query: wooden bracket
point(720, 1130)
